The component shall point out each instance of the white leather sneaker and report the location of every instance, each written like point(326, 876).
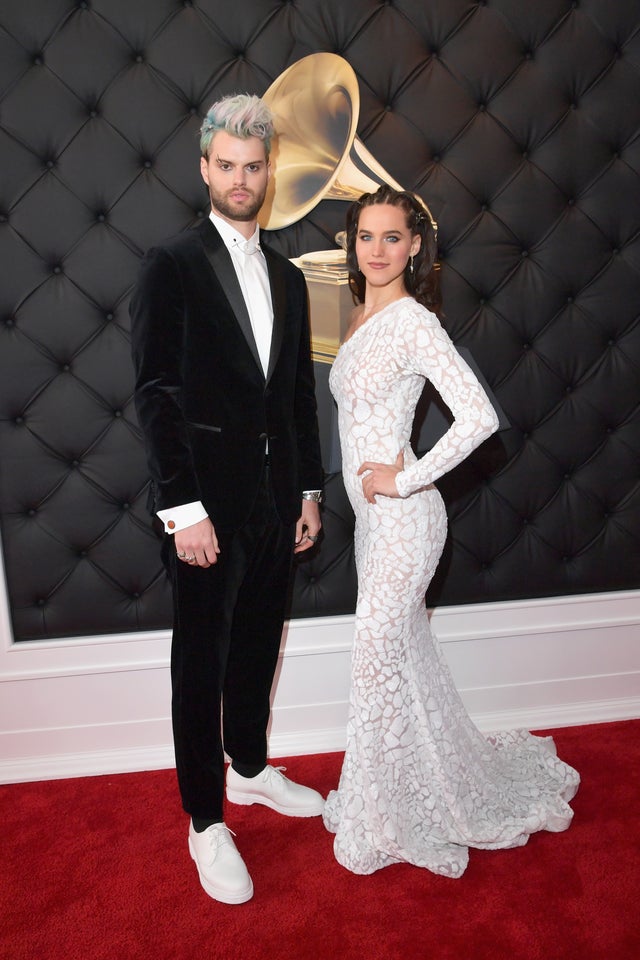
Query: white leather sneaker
point(274, 790)
point(222, 870)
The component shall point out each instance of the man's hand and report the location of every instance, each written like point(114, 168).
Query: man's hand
point(197, 544)
point(308, 526)
point(381, 478)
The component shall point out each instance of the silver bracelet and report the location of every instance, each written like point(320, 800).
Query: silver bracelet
point(315, 495)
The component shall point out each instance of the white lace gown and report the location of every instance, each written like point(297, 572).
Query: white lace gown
point(419, 783)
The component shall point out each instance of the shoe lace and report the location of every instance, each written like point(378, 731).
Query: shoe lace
point(270, 772)
point(219, 835)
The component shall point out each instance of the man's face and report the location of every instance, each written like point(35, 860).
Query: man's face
point(236, 172)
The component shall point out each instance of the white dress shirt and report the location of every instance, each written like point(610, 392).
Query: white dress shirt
point(251, 270)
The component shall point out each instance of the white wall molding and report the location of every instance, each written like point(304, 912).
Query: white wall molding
point(85, 706)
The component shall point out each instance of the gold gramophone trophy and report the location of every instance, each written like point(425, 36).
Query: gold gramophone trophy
point(317, 156)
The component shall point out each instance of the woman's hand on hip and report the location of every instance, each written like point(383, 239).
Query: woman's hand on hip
point(380, 478)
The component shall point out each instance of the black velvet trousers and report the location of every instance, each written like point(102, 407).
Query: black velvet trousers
point(228, 621)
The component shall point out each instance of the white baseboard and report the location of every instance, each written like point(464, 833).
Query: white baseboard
point(100, 705)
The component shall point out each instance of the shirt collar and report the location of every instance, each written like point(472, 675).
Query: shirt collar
point(230, 236)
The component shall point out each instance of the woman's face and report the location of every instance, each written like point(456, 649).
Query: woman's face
point(384, 244)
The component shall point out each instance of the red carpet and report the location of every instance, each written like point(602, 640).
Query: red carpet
point(98, 869)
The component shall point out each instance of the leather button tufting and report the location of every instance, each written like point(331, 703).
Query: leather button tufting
point(86, 200)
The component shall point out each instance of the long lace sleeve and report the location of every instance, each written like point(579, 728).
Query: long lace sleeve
point(427, 349)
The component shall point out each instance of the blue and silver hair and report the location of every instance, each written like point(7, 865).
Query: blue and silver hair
point(242, 115)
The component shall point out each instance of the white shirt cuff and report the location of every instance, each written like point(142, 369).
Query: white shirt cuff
point(177, 518)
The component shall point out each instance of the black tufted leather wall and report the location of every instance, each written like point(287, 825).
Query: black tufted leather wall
point(518, 122)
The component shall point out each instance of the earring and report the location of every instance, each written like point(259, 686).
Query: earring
point(411, 265)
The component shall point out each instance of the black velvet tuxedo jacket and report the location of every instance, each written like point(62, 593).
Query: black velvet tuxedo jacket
point(204, 404)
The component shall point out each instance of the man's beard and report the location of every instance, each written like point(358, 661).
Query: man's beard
point(248, 210)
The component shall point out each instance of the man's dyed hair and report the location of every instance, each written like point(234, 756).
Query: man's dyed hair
point(241, 115)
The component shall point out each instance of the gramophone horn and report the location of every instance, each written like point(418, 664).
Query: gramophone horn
point(316, 153)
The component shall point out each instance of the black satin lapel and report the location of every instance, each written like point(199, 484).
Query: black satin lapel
point(279, 301)
point(220, 260)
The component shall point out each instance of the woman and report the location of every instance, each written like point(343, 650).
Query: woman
point(419, 782)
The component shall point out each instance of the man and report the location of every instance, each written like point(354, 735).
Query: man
point(226, 401)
